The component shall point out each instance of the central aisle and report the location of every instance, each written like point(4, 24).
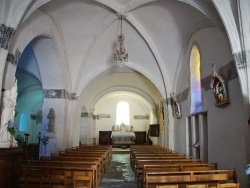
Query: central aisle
point(119, 173)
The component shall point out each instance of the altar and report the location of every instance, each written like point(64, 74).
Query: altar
point(122, 138)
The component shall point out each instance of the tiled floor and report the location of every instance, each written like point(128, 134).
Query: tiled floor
point(119, 173)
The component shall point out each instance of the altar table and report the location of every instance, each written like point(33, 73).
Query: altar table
point(123, 137)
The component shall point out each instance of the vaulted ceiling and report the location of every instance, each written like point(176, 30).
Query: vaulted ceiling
point(156, 36)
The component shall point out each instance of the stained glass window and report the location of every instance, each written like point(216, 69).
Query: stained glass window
point(195, 81)
point(122, 113)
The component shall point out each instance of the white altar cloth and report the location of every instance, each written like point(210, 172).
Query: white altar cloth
point(123, 137)
point(122, 134)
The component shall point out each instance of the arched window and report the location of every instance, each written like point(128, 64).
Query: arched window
point(195, 81)
point(23, 126)
point(122, 113)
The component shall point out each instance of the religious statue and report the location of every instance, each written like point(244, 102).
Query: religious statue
point(219, 89)
point(176, 107)
point(122, 127)
point(131, 128)
point(8, 113)
point(51, 116)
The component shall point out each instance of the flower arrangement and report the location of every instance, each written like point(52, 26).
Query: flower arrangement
point(12, 128)
point(45, 140)
point(247, 170)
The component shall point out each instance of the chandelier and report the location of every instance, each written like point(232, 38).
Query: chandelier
point(120, 55)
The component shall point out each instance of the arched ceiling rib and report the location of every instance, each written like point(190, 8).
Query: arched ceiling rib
point(88, 30)
point(206, 7)
point(108, 21)
point(118, 91)
point(34, 5)
point(124, 6)
point(124, 95)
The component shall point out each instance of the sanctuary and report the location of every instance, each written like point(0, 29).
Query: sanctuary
point(122, 135)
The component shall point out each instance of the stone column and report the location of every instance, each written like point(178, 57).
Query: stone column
point(83, 127)
point(90, 126)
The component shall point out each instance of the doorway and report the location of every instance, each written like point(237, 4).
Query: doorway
point(197, 136)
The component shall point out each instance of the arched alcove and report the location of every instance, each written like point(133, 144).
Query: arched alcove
point(30, 95)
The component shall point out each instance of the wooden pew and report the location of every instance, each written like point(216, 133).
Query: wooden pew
point(150, 155)
point(80, 180)
point(158, 156)
point(167, 186)
point(104, 162)
point(186, 177)
point(174, 168)
point(140, 163)
point(81, 159)
point(82, 163)
point(97, 161)
point(147, 150)
point(105, 153)
point(44, 174)
point(197, 186)
point(227, 185)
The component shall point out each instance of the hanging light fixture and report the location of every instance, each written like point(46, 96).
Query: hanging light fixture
point(120, 53)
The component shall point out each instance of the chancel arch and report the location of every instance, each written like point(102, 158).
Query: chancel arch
point(107, 84)
point(135, 106)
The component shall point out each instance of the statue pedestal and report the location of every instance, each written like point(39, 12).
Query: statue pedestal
point(10, 167)
point(8, 144)
point(5, 144)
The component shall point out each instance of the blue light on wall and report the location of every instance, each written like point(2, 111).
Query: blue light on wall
point(23, 126)
point(195, 81)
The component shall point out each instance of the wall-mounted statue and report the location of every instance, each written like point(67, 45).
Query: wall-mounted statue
point(131, 128)
point(8, 113)
point(219, 89)
point(176, 107)
point(51, 116)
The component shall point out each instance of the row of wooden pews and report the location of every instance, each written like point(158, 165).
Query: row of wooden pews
point(218, 185)
point(83, 165)
point(155, 166)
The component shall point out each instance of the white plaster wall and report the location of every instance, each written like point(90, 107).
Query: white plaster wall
point(225, 125)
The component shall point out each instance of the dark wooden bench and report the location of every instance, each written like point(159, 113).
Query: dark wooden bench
point(80, 164)
point(173, 168)
point(42, 176)
point(186, 177)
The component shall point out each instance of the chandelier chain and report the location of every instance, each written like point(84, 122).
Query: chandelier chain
point(120, 55)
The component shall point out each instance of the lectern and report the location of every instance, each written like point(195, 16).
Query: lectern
point(10, 167)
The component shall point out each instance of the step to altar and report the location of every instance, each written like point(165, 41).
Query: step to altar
point(121, 150)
